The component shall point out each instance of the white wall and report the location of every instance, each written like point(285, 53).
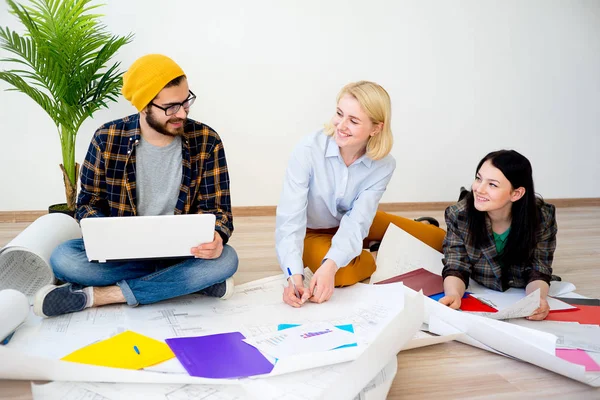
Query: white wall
point(465, 77)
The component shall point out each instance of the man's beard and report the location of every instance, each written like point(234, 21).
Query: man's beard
point(162, 127)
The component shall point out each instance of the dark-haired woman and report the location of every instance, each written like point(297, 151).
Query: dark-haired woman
point(500, 234)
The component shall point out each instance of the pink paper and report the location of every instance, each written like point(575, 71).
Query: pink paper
point(579, 357)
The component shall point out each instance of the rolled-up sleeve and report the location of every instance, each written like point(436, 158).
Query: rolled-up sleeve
point(347, 243)
point(290, 227)
point(214, 195)
point(456, 260)
point(92, 201)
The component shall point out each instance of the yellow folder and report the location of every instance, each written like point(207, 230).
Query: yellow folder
point(128, 350)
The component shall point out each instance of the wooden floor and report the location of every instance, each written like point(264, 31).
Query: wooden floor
point(451, 370)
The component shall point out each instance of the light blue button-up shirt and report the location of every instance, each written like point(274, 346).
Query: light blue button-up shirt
point(320, 191)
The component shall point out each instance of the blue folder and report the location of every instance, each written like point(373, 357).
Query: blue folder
point(438, 296)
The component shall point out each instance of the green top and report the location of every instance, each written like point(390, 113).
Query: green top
point(500, 240)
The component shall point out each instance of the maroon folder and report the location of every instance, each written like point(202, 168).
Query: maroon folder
point(419, 279)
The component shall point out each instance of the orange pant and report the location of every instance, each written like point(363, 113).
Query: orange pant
point(318, 241)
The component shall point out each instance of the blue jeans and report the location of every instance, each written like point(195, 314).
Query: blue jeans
point(143, 281)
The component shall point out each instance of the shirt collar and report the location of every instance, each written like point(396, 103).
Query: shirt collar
point(333, 150)
point(365, 160)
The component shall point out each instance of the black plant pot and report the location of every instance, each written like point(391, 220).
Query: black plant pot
point(61, 208)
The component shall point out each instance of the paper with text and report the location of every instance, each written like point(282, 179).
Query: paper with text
point(255, 308)
point(303, 339)
point(524, 307)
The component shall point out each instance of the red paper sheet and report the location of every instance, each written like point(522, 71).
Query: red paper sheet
point(470, 303)
point(584, 315)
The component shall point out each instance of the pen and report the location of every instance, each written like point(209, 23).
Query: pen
point(293, 284)
point(136, 349)
point(7, 339)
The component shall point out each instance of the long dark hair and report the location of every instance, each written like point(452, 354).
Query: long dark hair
point(522, 239)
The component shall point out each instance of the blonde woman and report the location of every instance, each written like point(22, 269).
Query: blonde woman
point(328, 207)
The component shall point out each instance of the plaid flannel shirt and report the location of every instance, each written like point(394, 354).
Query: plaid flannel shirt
point(108, 179)
point(464, 261)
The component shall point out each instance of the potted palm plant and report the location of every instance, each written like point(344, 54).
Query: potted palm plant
point(63, 62)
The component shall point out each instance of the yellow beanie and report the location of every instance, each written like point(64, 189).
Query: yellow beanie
point(146, 77)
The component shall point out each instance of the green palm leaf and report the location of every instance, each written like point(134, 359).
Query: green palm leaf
point(64, 65)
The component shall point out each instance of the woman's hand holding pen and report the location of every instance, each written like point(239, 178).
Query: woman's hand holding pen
point(289, 293)
point(323, 282)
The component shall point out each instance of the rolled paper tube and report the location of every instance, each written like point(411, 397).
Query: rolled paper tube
point(14, 309)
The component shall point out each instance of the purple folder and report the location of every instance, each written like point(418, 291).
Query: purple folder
point(219, 356)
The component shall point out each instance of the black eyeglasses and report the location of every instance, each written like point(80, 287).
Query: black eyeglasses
point(174, 108)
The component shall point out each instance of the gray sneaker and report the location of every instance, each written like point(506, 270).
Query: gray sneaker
point(52, 300)
point(222, 290)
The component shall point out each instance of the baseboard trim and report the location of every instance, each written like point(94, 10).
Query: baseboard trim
point(583, 202)
point(266, 211)
point(254, 211)
point(415, 206)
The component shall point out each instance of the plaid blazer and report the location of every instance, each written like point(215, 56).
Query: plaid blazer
point(464, 261)
point(108, 179)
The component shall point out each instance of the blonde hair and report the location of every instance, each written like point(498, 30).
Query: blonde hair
point(375, 102)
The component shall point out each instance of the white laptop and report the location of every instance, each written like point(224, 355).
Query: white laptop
point(162, 236)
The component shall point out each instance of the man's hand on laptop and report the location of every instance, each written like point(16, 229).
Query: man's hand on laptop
point(209, 250)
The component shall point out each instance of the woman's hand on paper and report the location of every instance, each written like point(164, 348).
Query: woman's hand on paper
point(454, 288)
point(289, 294)
point(451, 300)
point(210, 250)
point(323, 282)
point(542, 312)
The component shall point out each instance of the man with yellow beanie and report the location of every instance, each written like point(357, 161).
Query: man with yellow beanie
point(154, 162)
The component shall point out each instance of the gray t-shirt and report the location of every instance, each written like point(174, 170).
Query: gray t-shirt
point(158, 177)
